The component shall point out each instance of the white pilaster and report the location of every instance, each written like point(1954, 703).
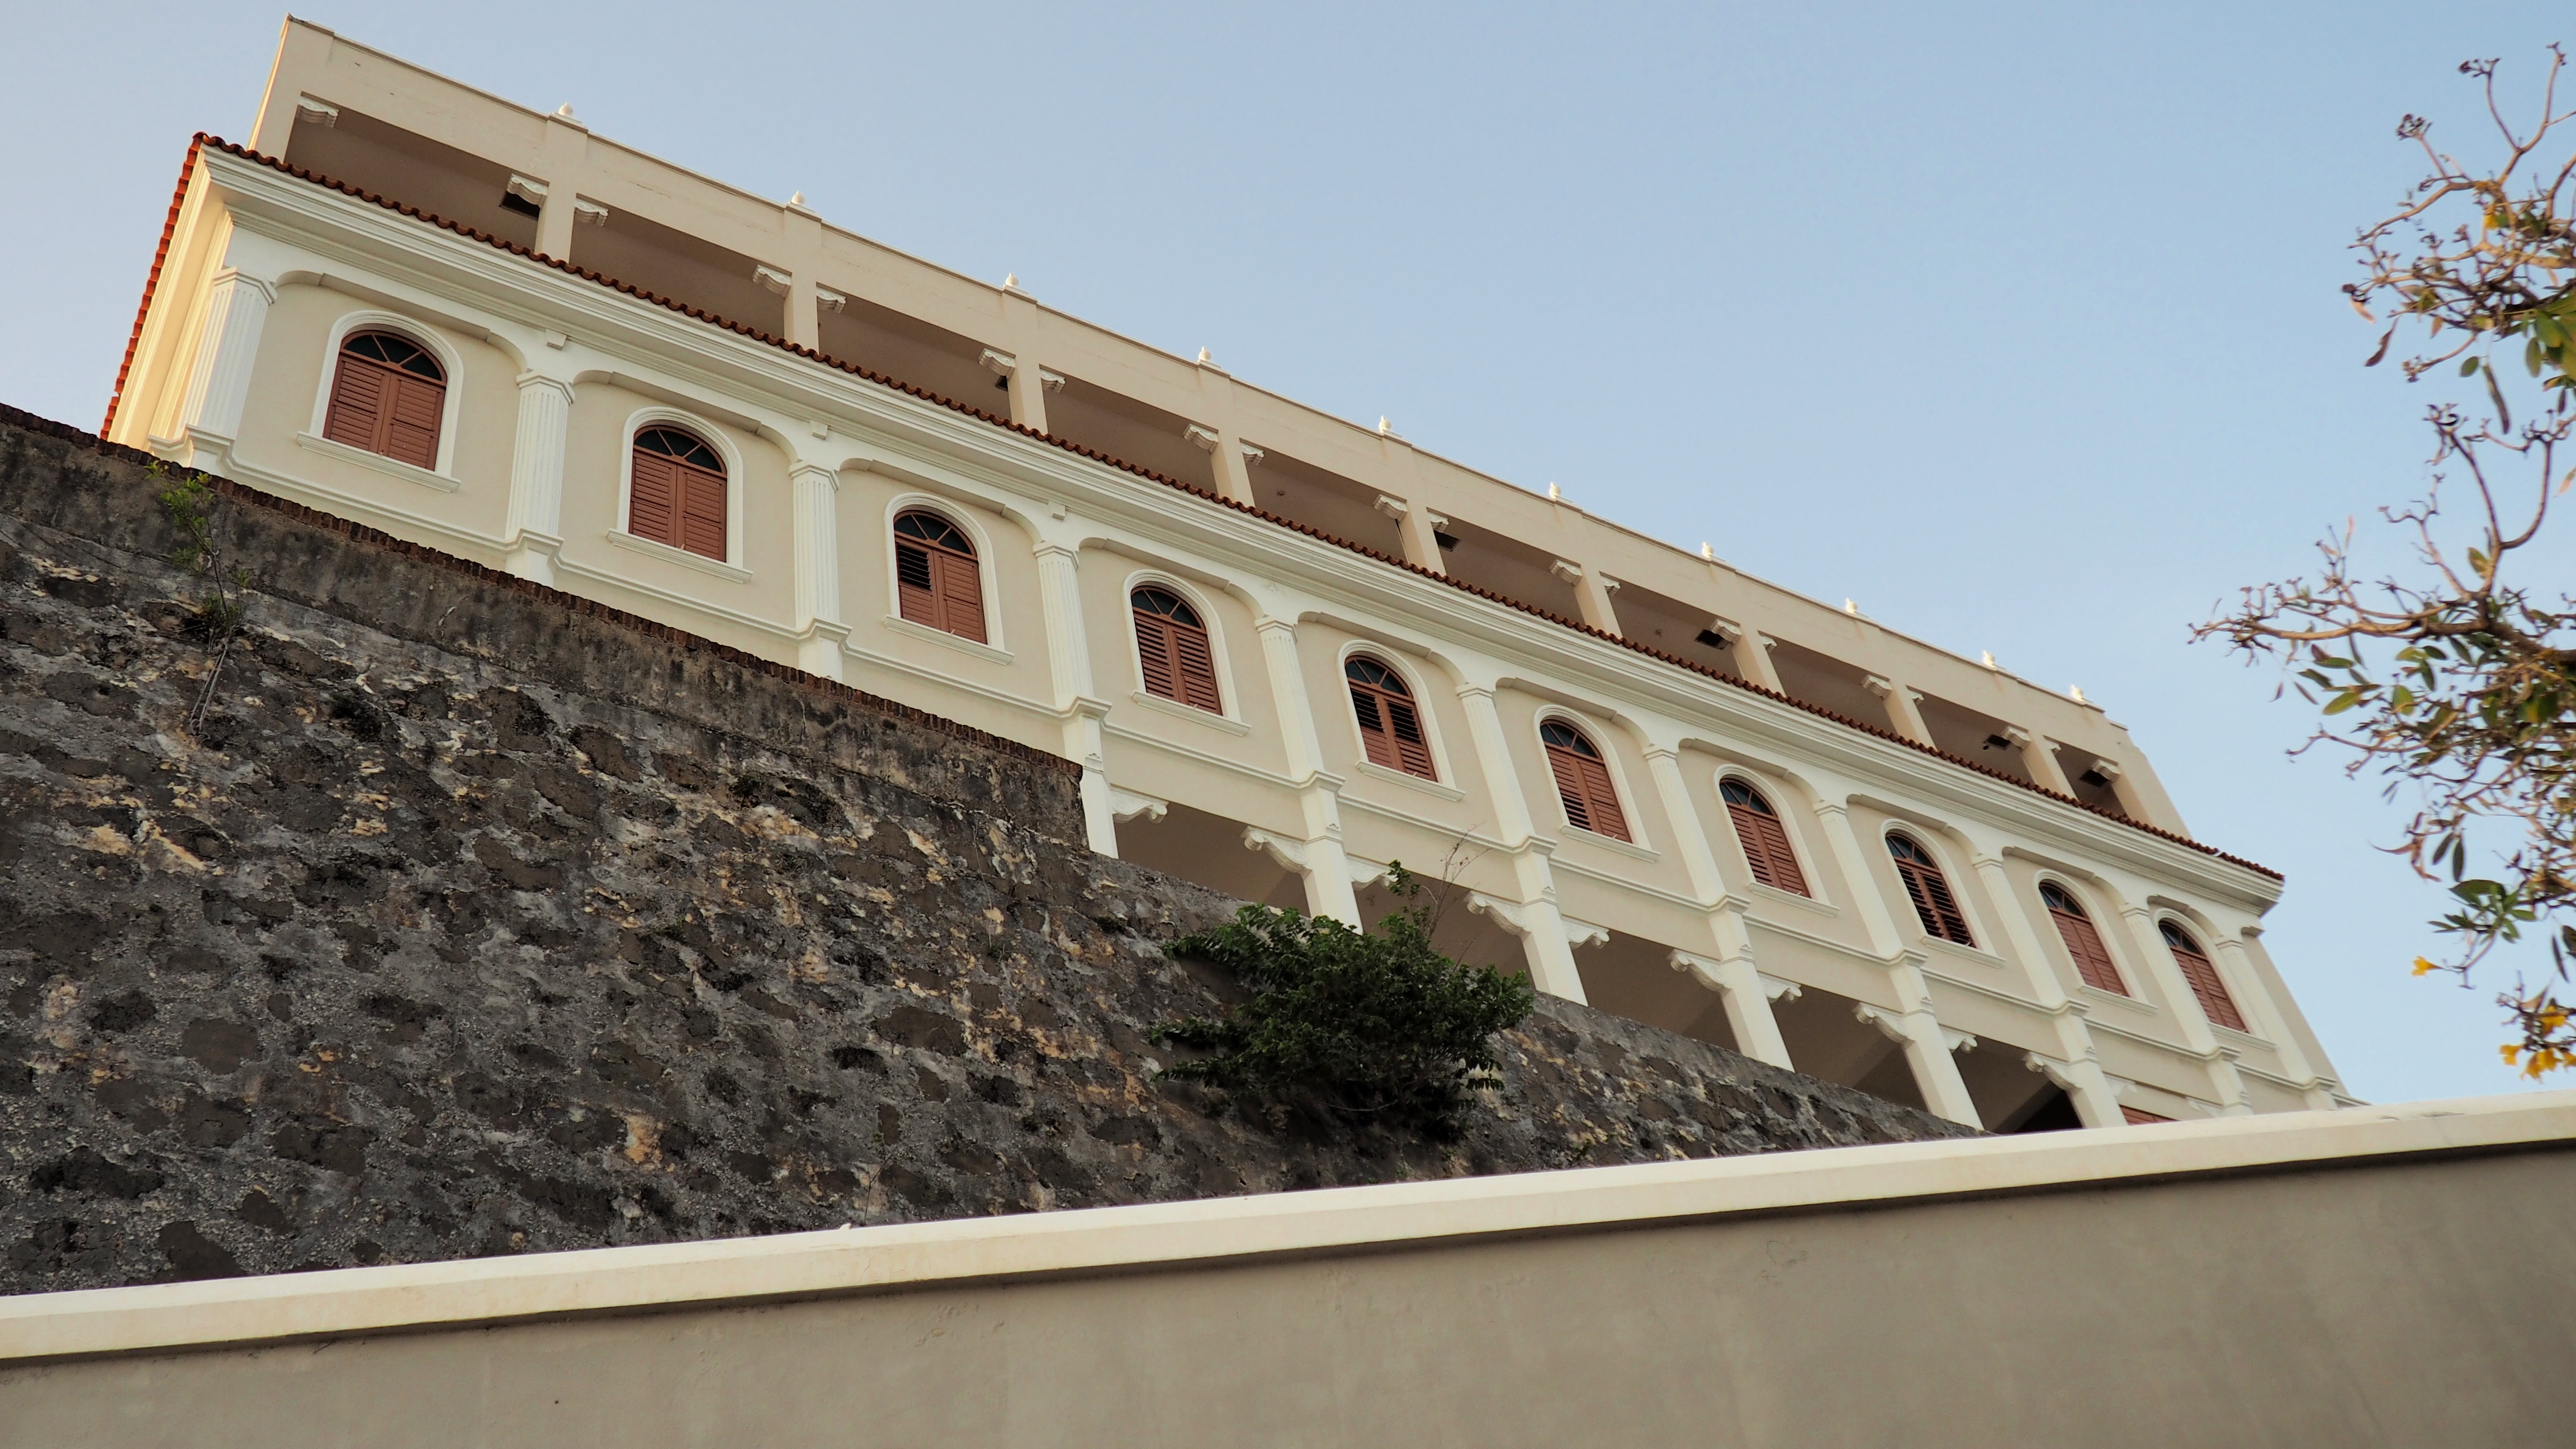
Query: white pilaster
point(1731, 971)
point(1326, 867)
point(2315, 1086)
point(2077, 1060)
point(2039, 757)
point(816, 496)
point(532, 531)
point(1535, 918)
point(1859, 880)
point(1902, 714)
point(210, 411)
point(1069, 662)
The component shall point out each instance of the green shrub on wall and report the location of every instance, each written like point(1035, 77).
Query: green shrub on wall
point(1361, 1024)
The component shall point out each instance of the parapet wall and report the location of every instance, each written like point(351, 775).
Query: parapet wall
point(482, 919)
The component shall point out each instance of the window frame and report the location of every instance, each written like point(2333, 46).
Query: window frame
point(1769, 794)
point(1913, 835)
point(987, 577)
point(1620, 795)
point(736, 485)
point(1388, 660)
point(2049, 881)
point(2196, 933)
point(1229, 692)
point(418, 333)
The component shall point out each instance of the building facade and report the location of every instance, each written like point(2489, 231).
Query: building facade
point(1287, 650)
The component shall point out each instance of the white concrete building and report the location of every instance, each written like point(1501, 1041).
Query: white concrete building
point(1287, 649)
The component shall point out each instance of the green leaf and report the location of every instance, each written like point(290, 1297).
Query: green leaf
point(2531, 356)
point(2468, 367)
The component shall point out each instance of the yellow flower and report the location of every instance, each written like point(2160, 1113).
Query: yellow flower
point(2422, 966)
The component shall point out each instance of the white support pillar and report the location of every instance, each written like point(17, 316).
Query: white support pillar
point(1069, 662)
point(1747, 995)
point(1592, 590)
point(1535, 918)
point(1902, 714)
point(1230, 459)
point(1417, 532)
point(2078, 1066)
point(1326, 867)
point(532, 530)
point(820, 629)
point(1752, 650)
point(2247, 985)
point(2226, 1087)
point(1928, 1047)
point(210, 411)
point(2039, 757)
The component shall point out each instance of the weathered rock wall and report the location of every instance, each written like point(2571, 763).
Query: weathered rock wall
point(480, 919)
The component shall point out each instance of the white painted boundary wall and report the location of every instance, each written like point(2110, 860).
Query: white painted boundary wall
point(2371, 1276)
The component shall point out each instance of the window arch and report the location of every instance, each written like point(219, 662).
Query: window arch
point(1172, 649)
point(1764, 838)
point(677, 496)
point(2083, 941)
point(1934, 906)
point(1390, 724)
point(1583, 783)
point(388, 395)
point(2202, 974)
point(937, 581)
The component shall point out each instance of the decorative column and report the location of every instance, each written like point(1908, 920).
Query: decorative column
point(1902, 715)
point(2078, 1068)
point(532, 527)
point(1752, 651)
point(210, 412)
point(820, 630)
point(1534, 917)
point(2226, 1088)
point(1417, 532)
point(2254, 990)
point(1069, 663)
point(1028, 387)
point(1731, 972)
point(1326, 867)
point(1927, 1047)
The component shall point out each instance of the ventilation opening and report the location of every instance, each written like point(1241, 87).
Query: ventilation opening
point(1209, 850)
point(686, 269)
point(907, 349)
point(395, 164)
point(2090, 784)
point(513, 201)
point(1633, 977)
point(1448, 541)
point(1972, 735)
point(1130, 431)
point(1325, 500)
point(1508, 567)
point(1826, 1040)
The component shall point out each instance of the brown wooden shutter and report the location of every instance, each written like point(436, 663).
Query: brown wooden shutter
point(1196, 666)
point(1934, 906)
point(702, 512)
point(1412, 751)
point(916, 583)
point(2092, 959)
point(1376, 740)
point(1766, 848)
point(961, 596)
point(1154, 655)
point(1390, 727)
point(1583, 784)
point(2203, 976)
point(2137, 1117)
point(356, 415)
point(653, 507)
point(411, 421)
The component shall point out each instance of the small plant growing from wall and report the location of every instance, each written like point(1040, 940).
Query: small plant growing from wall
point(1373, 1025)
point(223, 595)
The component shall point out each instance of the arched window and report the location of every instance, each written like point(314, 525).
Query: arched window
point(935, 579)
point(1582, 781)
point(387, 396)
point(1765, 839)
point(679, 496)
point(2092, 959)
point(1390, 727)
point(2203, 976)
point(1172, 649)
point(1930, 891)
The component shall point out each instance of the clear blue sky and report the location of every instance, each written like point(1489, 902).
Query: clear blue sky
point(2016, 324)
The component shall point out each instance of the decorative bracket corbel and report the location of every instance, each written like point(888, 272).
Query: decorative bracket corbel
point(1290, 854)
point(1126, 805)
